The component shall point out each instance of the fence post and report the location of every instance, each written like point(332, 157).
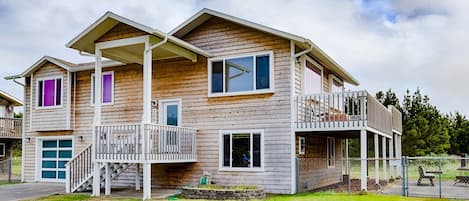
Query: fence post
point(439, 175)
point(404, 176)
point(9, 169)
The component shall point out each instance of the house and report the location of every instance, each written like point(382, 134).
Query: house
point(247, 103)
point(10, 127)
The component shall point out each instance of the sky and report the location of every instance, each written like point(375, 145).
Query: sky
point(400, 44)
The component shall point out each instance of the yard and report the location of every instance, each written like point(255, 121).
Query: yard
point(326, 196)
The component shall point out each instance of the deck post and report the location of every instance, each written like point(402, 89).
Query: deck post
point(137, 177)
point(363, 157)
point(146, 180)
point(107, 189)
point(97, 121)
point(376, 143)
point(398, 155)
point(385, 165)
point(147, 76)
point(391, 158)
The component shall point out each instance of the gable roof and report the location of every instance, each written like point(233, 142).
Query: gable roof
point(10, 98)
point(43, 60)
point(85, 40)
point(205, 14)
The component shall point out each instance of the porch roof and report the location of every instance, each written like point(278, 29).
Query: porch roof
point(85, 41)
point(10, 98)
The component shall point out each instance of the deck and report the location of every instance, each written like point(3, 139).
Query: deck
point(152, 143)
point(11, 128)
point(351, 110)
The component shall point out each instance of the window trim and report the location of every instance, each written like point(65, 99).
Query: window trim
point(328, 154)
point(303, 75)
point(161, 102)
point(332, 77)
point(4, 149)
point(301, 140)
point(38, 165)
point(61, 77)
point(221, 148)
point(271, 88)
point(92, 88)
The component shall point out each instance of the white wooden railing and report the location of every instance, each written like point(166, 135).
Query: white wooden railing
point(145, 142)
point(10, 127)
point(79, 169)
point(342, 110)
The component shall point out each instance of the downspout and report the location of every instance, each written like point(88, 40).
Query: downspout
point(294, 162)
point(165, 40)
point(19, 83)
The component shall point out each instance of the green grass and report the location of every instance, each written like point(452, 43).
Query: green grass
point(6, 183)
point(325, 196)
point(16, 166)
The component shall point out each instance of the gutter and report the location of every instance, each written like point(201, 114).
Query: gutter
point(165, 40)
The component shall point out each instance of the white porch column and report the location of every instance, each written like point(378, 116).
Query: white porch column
point(391, 157)
point(146, 181)
point(376, 143)
point(147, 76)
point(363, 157)
point(96, 121)
point(107, 188)
point(399, 155)
point(385, 165)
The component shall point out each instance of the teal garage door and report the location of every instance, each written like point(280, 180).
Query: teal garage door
point(55, 154)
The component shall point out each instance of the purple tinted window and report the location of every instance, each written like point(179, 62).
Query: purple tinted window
point(107, 88)
point(49, 92)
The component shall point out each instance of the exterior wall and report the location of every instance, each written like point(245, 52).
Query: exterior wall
point(49, 119)
point(120, 31)
point(313, 172)
point(4, 108)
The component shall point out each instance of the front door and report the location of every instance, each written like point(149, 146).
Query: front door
point(171, 116)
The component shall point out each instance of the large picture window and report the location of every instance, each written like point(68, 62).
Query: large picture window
point(107, 88)
point(241, 150)
point(330, 152)
point(238, 75)
point(49, 92)
point(312, 78)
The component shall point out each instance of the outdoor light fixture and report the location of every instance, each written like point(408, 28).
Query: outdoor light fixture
point(80, 138)
point(28, 139)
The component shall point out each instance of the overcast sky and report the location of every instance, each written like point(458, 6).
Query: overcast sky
point(384, 44)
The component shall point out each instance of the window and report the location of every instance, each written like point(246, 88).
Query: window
point(107, 88)
point(238, 75)
point(336, 84)
point(55, 153)
point(330, 152)
point(49, 92)
point(2, 149)
point(302, 145)
point(241, 150)
point(312, 77)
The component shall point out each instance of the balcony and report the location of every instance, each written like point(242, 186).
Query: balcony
point(11, 128)
point(351, 110)
point(152, 143)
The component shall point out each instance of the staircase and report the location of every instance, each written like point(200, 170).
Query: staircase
point(79, 175)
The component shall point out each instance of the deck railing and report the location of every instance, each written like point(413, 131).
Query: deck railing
point(145, 142)
point(342, 110)
point(10, 127)
point(79, 169)
point(396, 119)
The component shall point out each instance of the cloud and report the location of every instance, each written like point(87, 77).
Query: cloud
point(385, 44)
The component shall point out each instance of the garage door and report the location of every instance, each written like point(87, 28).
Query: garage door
point(55, 154)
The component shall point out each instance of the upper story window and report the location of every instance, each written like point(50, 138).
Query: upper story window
point(312, 77)
point(49, 92)
point(335, 84)
point(241, 75)
point(107, 88)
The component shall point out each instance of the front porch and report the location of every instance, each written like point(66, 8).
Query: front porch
point(11, 128)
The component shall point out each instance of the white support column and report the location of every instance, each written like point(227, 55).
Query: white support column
point(363, 158)
point(147, 76)
point(391, 157)
point(398, 155)
point(376, 143)
point(146, 181)
point(385, 165)
point(107, 188)
point(137, 177)
point(96, 121)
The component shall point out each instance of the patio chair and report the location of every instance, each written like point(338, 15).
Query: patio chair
point(423, 175)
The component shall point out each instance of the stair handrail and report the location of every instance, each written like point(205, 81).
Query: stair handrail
point(68, 178)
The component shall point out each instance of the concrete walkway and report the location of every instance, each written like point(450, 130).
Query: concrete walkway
point(448, 190)
point(26, 191)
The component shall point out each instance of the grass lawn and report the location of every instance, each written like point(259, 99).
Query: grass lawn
point(326, 196)
point(6, 183)
point(16, 166)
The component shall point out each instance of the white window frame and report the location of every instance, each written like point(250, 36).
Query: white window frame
point(333, 78)
point(303, 74)
point(39, 149)
point(61, 77)
point(329, 154)
point(162, 120)
point(2, 146)
point(271, 88)
point(92, 88)
point(301, 141)
point(240, 169)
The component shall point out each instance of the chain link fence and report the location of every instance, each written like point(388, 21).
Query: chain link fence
point(10, 170)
